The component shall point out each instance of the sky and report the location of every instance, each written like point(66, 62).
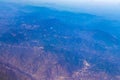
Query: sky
point(107, 8)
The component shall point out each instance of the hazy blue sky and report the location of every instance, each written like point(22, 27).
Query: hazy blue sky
point(107, 8)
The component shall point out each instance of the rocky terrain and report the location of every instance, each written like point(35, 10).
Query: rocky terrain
point(37, 43)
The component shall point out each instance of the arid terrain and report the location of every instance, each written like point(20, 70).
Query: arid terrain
point(38, 43)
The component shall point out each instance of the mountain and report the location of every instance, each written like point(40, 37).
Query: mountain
point(38, 43)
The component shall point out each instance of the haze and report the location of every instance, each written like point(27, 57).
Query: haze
point(107, 8)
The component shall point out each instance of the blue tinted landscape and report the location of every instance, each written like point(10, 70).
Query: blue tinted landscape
point(44, 43)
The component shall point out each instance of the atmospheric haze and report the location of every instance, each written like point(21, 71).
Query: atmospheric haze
point(107, 8)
